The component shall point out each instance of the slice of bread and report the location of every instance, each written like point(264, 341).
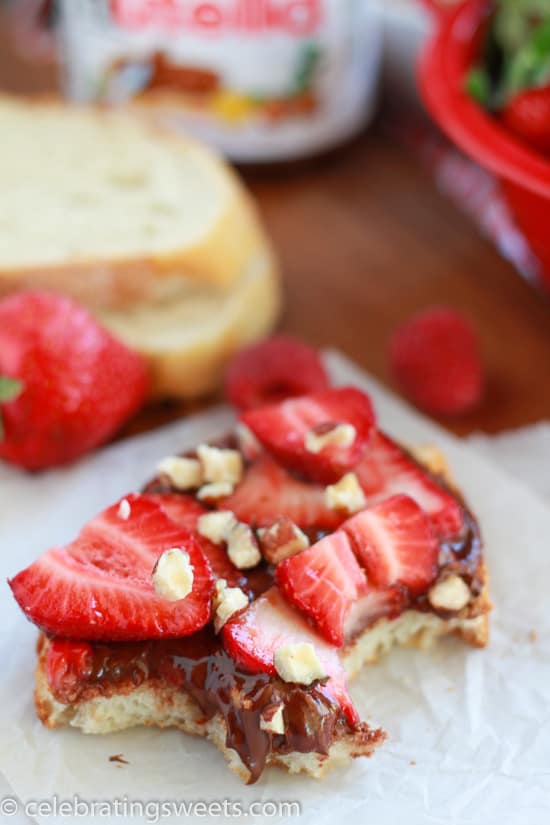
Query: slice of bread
point(153, 232)
point(158, 703)
point(113, 211)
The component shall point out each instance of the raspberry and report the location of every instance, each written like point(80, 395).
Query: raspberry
point(273, 370)
point(436, 362)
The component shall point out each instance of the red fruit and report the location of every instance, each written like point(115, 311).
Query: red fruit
point(252, 638)
point(387, 470)
point(68, 664)
point(185, 512)
point(282, 429)
point(100, 586)
point(268, 372)
point(527, 114)
point(395, 543)
point(183, 509)
point(79, 384)
point(322, 582)
point(268, 492)
point(436, 362)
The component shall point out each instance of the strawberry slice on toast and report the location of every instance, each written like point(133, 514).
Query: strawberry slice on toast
point(268, 492)
point(386, 470)
point(323, 582)
point(395, 543)
point(253, 637)
point(100, 586)
point(297, 430)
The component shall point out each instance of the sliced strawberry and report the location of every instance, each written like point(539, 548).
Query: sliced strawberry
point(395, 542)
point(68, 664)
point(281, 367)
point(322, 582)
point(373, 605)
point(387, 470)
point(268, 492)
point(100, 586)
point(185, 511)
point(252, 638)
point(282, 429)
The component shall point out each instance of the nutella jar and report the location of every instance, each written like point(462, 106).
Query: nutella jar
point(263, 80)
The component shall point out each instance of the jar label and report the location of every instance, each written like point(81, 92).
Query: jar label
point(260, 79)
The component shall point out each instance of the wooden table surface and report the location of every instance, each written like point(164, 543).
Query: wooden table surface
point(364, 241)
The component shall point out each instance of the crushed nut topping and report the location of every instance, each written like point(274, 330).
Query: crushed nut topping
point(450, 594)
point(212, 493)
point(217, 525)
point(298, 663)
point(182, 473)
point(242, 547)
point(333, 435)
point(226, 602)
point(173, 575)
point(345, 495)
point(220, 465)
point(124, 509)
point(272, 719)
point(282, 540)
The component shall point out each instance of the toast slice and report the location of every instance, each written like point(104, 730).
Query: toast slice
point(152, 232)
point(107, 208)
point(158, 699)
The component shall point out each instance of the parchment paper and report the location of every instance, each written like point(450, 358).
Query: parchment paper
point(469, 730)
point(523, 453)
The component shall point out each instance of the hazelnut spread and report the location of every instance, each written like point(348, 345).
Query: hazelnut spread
point(199, 665)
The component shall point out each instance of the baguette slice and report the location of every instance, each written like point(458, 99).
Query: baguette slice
point(107, 208)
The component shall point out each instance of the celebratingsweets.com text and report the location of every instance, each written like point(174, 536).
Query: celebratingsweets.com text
point(153, 810)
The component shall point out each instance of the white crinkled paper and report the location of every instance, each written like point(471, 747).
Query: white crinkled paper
point(524, 453)
point(469, 730)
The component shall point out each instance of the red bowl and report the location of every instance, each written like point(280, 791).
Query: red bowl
point(523, 173)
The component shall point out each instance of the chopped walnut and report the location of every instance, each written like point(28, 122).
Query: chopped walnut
point(282, 540)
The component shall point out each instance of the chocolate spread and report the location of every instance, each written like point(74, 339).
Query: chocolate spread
point(199, 666)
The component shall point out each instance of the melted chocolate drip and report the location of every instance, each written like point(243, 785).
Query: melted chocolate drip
point(199, 665)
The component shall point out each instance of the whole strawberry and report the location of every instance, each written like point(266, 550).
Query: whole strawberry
point(436, 362)
point(528, 116)
point(66, 385)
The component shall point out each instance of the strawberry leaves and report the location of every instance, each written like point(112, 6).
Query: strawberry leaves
point(10, 388)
